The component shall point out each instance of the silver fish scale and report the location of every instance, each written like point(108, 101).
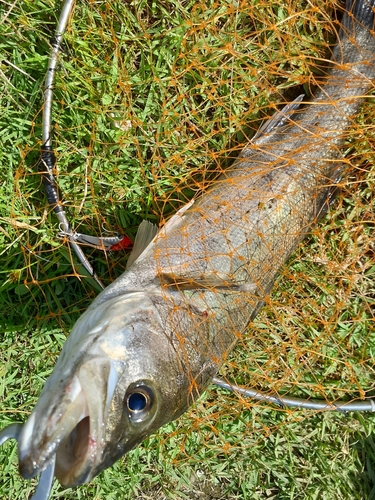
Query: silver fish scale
point(230, 245)
point(217, 265)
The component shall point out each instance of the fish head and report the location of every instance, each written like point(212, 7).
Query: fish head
point(116, 381)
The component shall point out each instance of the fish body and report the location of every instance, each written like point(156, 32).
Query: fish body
point(153, 340)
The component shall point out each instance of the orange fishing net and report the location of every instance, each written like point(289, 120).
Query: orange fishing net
point(152, 102)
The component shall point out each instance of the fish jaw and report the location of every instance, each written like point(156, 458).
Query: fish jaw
point(84, 416)
point(69, 422)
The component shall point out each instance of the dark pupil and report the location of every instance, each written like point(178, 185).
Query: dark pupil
point(137, 402)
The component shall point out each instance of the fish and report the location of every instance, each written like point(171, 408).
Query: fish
point(152, 341)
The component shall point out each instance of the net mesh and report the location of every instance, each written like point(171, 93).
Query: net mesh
point(152, 103)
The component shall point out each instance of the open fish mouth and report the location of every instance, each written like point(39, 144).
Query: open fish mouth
point(76, 444)
point(77, 449)
point(69, 424)
point(73, 454)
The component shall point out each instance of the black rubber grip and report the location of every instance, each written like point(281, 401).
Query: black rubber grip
point(46, 166)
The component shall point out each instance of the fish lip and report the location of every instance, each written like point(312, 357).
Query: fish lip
point(67, 464)
point(70, 424)
point(66, 436)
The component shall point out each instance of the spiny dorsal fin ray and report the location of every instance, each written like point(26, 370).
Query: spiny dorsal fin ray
point(280, 118)
point(145, 234)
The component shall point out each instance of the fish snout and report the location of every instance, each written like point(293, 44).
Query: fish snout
point(32, 459)
point(55, 417)
point(69, 424)
point(28, 468)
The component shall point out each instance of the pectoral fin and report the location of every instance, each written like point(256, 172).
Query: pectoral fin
point(209, 281)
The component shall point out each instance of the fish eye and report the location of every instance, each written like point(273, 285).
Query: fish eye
point(139, 400)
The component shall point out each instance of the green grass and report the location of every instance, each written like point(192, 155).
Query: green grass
point(152, 100)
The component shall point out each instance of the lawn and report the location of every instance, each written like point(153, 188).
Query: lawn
point(152, 100)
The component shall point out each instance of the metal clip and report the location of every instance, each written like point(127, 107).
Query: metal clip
point(44, 487)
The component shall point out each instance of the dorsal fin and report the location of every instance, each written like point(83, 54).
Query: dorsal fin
point(145, 234)
point(176, 218)
point(280, 118)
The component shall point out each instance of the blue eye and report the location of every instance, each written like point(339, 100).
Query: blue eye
point(137, 401)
